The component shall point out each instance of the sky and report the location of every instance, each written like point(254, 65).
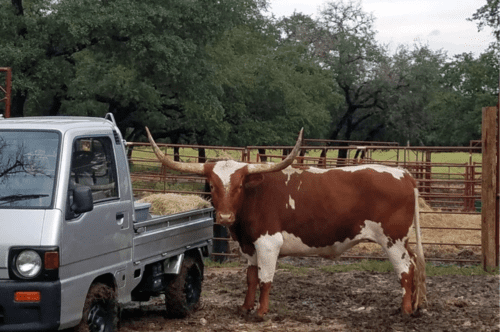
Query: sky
point(442, 24)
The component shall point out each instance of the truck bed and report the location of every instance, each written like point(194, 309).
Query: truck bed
point(169, 235)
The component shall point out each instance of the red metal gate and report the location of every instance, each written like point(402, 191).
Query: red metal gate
point(7, 89)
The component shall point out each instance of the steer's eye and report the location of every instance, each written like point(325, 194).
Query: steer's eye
point(211, 188)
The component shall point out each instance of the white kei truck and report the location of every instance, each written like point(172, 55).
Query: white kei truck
point(74, 246)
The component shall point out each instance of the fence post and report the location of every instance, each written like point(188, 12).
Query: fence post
point(473, 187)
point(466, 188)
point(489, 195)
point(322, 158)
point(428, 171)
point(261, 157)
point(244, 155)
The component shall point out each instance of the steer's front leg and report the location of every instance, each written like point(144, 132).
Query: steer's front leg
point(265, 290)
point(267, 248)
point(252, 282)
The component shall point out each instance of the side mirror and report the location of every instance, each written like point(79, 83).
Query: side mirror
point(82, 200)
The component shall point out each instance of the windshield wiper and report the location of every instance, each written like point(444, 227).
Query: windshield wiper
point(20, 197)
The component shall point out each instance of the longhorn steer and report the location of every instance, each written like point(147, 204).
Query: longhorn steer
point(273, 210)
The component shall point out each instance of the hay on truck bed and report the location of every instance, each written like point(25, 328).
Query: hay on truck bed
point(162, 204)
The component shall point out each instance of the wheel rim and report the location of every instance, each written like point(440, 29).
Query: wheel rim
point(97, 318)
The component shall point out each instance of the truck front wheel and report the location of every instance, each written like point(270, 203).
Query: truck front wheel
point(183, 292)
point(100, 312)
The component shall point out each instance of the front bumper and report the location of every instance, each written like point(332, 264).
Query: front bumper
point(30, 316)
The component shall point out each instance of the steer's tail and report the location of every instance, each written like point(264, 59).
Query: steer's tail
point(419, 295)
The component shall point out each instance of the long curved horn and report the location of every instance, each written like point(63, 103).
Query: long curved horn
point(195, 168)
point(267, 168)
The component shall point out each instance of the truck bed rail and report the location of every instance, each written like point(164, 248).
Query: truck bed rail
point(166, 236)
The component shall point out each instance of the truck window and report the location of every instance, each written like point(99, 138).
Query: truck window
point(93, 165)
point(28, 168)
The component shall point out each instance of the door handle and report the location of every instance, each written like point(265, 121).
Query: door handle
point(119, 218)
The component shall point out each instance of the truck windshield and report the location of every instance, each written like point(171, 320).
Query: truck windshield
point(28, 163)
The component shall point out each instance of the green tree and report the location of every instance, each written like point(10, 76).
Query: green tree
point(270, 89)
point(468, 85)
point(384, 96)
point(38, 79)
point(488, 15)
point(343, 41)
point(348, 49)
point(146, 62)
point(410, 77)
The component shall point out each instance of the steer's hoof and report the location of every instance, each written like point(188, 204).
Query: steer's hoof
point(407, 309)
point(396, 312)
point(406, 316)
point(417, 313)
point(242, 311)
point(256, 317)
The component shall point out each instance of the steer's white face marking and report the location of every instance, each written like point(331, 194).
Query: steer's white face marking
point(224, 170)
point(291, 202)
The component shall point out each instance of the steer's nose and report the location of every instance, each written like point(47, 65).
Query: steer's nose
point(225, 218)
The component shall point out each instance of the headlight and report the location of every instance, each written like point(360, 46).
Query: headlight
point(28, 263)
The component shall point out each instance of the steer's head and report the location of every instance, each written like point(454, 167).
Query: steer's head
point(227, 178)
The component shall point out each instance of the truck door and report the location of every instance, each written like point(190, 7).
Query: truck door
point(98, 239)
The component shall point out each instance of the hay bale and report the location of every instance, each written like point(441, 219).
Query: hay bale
point(174, 203)
point(423, 206)
point(460, 237)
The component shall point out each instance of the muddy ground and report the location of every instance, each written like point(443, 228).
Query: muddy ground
point(309, 299)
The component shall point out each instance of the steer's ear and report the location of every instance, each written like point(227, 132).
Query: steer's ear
point(253, 180)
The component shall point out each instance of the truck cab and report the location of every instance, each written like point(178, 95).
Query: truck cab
point(68, 223)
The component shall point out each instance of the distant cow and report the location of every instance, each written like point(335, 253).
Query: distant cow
point(273, 210)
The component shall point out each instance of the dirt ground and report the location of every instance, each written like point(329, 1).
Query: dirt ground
point(309, 299)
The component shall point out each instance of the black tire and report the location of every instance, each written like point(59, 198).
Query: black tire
point(100, 311)
point(182, 294)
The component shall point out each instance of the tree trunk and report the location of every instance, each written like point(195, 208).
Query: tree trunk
point(17, 105)
point(202, 155)
point(176, 154)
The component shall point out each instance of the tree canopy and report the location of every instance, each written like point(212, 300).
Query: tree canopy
point(384, 96)
point(222, 73)
point(488, 15)
point(468, 85)
point(269, 89)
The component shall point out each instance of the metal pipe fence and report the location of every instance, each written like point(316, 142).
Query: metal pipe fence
point(452, 188)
